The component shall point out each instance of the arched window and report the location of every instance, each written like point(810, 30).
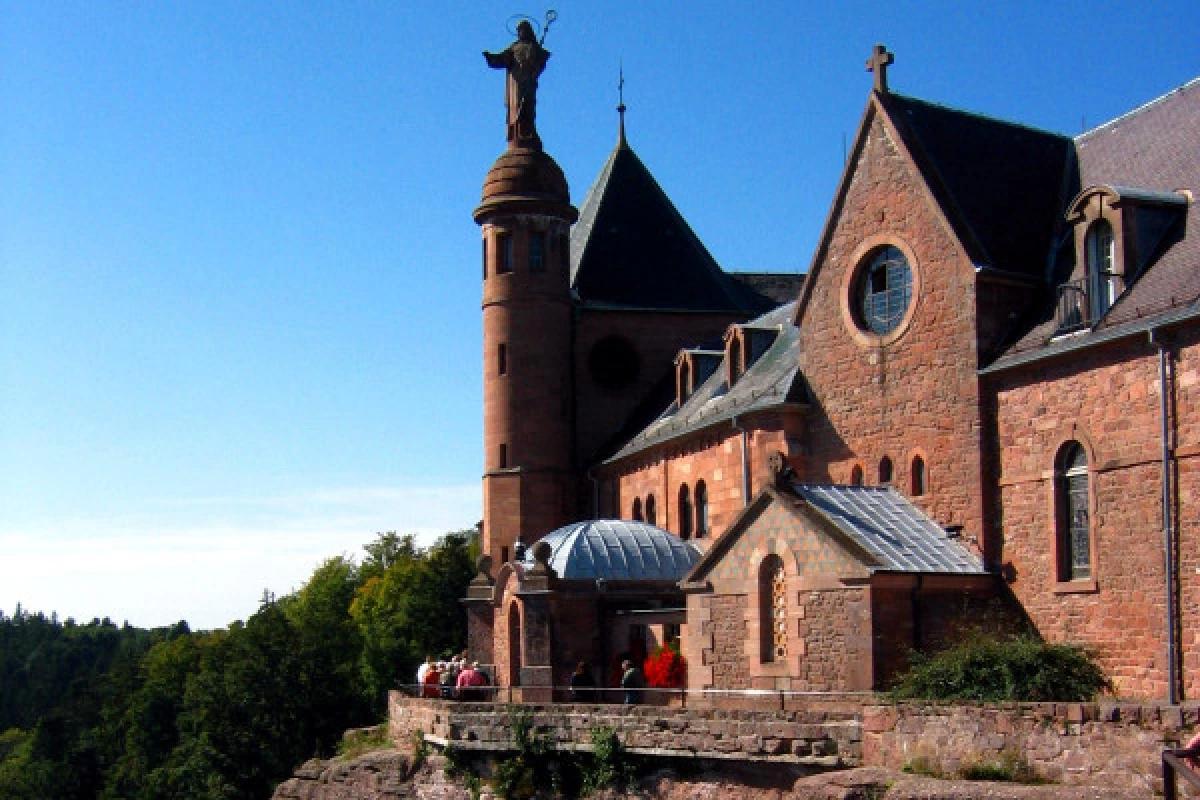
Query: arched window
point(885, 470)
point(772, 609)
point(701, 510)
point(917, 477)
point(651, 511)
point(637, 509)
point(1101, 277)
point(1074, 521)
point(856, 475)
point(685, 512)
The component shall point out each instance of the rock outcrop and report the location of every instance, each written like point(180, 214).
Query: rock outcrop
point(389, 775)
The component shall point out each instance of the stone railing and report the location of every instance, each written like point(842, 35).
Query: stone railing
point(816, 737)
point(1113, 744)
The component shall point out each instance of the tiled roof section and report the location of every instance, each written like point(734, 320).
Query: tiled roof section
point(772, 380)
point(1152, 150)
point(780, 287)
point(884, 523)
point(616, 549)
point(1001, 185)
point(632, 249)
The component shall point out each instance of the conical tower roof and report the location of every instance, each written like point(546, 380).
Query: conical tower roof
point(631, 248)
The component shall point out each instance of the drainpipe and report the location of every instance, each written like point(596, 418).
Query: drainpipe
point(745, 466)
point(1156, 339)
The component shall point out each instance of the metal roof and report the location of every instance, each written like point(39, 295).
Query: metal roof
point(770, 381)
point(898, 534)
point(617, 549)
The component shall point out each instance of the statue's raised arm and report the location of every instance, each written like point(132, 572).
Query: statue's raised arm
point(524, 60)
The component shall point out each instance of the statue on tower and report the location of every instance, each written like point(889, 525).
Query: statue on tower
point(524, 59)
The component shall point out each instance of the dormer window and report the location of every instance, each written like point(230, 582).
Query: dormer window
point(692, 369)
point(735, 361)
point(1119, 232)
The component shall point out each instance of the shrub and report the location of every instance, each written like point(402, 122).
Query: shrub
point(986, 669)
point(610, 766)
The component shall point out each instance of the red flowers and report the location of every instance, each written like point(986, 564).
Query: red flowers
point(665, 669)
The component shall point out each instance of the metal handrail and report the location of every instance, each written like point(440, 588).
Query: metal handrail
point(610, 695)
point(1175, 766)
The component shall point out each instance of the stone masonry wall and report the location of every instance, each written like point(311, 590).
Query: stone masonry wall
point(915, 392)
point(831, 656)
point(1107, 399)
point(727, 626)
point(1071, 743)
point(819, 736)
point(714, 457)
point(1112, 744)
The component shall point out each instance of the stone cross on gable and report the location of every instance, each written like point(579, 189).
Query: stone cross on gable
point(878, 63)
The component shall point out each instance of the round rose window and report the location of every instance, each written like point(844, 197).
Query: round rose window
point(884, 291)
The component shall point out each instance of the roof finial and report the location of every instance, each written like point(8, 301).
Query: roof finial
point(878, 63)
point(621, 103)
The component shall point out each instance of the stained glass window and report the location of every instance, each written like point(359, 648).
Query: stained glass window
point(885, 291)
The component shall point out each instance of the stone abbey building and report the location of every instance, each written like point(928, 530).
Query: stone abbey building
point(980, 407)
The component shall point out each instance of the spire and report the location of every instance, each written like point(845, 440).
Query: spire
point(621, 105)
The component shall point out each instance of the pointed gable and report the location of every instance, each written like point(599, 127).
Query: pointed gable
point(632, 249)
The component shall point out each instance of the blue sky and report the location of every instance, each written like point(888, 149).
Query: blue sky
point(239, 290)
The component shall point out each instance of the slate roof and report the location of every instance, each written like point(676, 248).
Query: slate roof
point(773, 380)
point(1151, 150)
point(887, 525)
point(1000, 184)
point(632, 249)
point(616, 549)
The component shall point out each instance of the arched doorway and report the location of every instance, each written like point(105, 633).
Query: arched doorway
point(514, 645)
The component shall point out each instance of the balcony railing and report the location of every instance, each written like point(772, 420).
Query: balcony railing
point(1081, 303)
point(1073, 312)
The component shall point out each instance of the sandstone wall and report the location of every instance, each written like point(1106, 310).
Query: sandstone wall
point(1082, 744)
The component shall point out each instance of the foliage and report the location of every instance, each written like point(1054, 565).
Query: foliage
point(101, 711)
point(610, 767)
point(408, 607)
point(460, 769)
point(1005, 766)
point(364, 740)
point(987, 669)
point(521, 774)
point(665, 668)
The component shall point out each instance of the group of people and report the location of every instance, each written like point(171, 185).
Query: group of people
point(456, 679)
point(459, 679)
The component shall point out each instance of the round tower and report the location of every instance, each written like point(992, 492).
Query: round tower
point(526, 216)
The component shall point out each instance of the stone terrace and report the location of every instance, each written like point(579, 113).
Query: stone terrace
point(1112, 744)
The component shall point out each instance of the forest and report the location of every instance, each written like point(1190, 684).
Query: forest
point(98, 710)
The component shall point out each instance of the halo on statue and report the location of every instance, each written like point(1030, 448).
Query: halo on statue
point(515, 20)
point(539, 32)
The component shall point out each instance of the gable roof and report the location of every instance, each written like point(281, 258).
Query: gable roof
point(772, 380)
point(631, 248)
point(998, 186)
point(1146, 155)
point(1001, 185)
point(879, 522)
